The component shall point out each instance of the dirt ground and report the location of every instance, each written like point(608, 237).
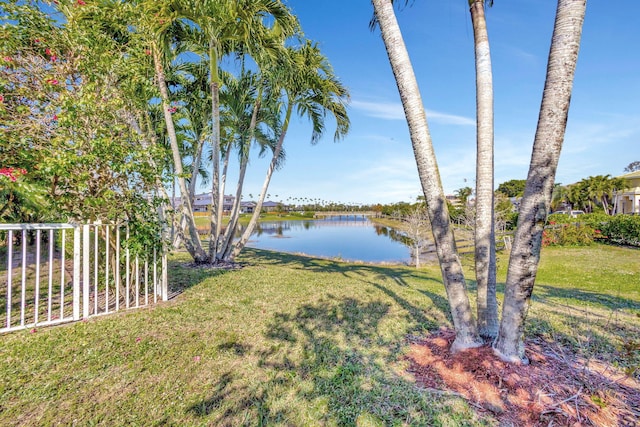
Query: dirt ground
point(555, 389)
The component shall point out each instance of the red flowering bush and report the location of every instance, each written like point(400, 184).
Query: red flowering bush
point(12, 173)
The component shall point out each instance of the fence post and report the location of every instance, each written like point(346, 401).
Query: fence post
point(76, 272)
point(86, 244)
point(165, 280)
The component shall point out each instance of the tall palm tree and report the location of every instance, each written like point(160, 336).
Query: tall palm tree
point(600, 188)
point(247, 112)
point(192, 243)
point(227, 24)
point(485, 245)
point(577, 196)
point(158, 29)
point(305, 80)
point(552, 123)
point(452, 274)
point(194, 123)
point(559, 197)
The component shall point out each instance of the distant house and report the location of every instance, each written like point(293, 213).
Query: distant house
point(454, 200)
point(247, 207)
point(202, 202)
point(269, 206)
point(628, 200)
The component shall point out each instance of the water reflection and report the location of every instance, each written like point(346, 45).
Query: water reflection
point(352, 238)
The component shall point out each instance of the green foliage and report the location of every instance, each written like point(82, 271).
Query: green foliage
point(20, 201)
point(622, 230)
point(568, 235)
point(618, 229)
point(397, 210)
point(595, 193)
point(513, 188)
point(456, 212)
point(64, 120)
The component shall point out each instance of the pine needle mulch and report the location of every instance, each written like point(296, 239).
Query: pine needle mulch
point(554, 389)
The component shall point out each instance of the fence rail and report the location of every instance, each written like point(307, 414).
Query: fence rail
point(56, 273)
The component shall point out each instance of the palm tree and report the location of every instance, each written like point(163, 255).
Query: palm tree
point(194, 123)
point(305, 80)
point(226, 25)
point(616, 184)
point(247, 110)
point(603, 188)
point(552, 122)
point(463, 195)
point(577, 196)
point(452, 274)
point(559, 197)
point(485, 245)
point(159, 33)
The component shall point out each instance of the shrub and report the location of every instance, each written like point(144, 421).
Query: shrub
point(623, 230)
point(618, 229)
point(568, 235)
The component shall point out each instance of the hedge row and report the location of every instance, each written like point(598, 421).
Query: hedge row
point(618, 229)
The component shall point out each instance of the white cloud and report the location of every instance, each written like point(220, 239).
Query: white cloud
point(394, 111)
point(526, 57)
point(449, 119)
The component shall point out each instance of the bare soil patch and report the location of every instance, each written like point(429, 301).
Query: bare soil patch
point(556, 388)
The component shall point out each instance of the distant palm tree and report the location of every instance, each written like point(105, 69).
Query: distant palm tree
point(463, 195)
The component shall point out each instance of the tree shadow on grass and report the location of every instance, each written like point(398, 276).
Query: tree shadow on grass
point(416, 312)
point(329, 361)
point(397, 273)
point(182, 276)
point(607, 301)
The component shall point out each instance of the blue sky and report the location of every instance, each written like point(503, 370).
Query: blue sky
point(375, 163)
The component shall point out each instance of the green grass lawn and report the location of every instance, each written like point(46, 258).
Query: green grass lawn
point(295, 341)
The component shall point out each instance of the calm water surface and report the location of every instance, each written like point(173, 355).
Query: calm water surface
point(352, 238)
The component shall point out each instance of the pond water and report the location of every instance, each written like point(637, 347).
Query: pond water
point(347, 237)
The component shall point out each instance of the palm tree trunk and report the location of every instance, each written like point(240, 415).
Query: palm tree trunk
point(239, 245)
point(195, 167)
point(485, 242)
point(605, 204)
point(552, 122)
point(223, 183)
point(230, 232)
point(452, 275)
point(191, 240)
point(216, 213)
point(149, 139)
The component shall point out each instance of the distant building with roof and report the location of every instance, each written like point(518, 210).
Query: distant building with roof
point(627, 201)
point(202, 203)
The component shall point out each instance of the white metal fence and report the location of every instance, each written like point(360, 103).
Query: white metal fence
point(55, 273)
